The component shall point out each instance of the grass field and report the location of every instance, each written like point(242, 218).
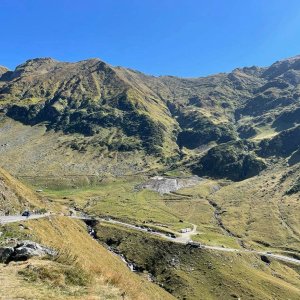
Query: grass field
point(265, 132)
point(257, 211)
point(118, 198)
point(83, 269)
point(202, 274)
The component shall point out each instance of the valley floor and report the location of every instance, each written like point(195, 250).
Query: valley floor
point(226, 235)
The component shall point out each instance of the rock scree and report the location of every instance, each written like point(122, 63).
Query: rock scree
point(165, 185)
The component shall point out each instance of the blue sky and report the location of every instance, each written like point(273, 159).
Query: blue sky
point(175, 37)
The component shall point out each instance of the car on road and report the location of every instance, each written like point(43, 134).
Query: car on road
point(171, 235)
point(26, 213)
point(194, 244)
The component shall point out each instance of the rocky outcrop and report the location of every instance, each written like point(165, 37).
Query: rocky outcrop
point(294, 188)
point(232, 160)
point(5, 253)
point(283, 144)
point(24, 250)
point(3, 70)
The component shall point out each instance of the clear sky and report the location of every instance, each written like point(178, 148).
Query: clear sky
point(160, 37)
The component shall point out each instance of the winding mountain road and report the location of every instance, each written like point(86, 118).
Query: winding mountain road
point(18, 218)
point(183, 238)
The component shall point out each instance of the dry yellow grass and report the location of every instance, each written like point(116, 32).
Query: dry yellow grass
point(18, 195)
point(70, 237)
point(14, 286)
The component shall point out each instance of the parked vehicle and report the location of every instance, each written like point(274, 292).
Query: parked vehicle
point(26, 213)
point(171, 235)
point(194, 244)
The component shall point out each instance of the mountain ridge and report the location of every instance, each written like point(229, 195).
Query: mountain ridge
point(119, 110)
point(85, 135)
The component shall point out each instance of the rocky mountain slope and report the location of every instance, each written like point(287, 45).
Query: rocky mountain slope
point(89, 134)
point(102, 111)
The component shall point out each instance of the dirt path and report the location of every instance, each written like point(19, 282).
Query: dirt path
point(187, 236)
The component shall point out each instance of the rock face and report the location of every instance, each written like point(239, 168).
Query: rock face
point(3, 70)
point(23, 251)
point(5, 254)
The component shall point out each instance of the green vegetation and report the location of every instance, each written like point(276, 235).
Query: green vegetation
point(118, 198)
point(247, 131)
point(198, 130)
point(100, 268)
point(70, 280)
point(232, 160)
point(264, 132)
point(287, 119)
point(295, 187)
point(283, 144)
point(15, 196)
point(92, 119)
point(189, 273)
point(14, 231)
point(215, 237)
point(87, 134)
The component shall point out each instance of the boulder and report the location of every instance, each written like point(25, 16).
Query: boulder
point(5, 253)
point(24, 250)
point(28, 249)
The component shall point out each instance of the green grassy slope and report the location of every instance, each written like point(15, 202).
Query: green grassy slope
point(202, 274)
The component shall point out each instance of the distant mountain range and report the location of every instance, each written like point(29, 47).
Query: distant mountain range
point(224, 125)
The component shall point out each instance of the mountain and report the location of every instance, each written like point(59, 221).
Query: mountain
point(3, 70)
point(88, 135)
point(16, 197)
point(83, 269)
point(103, 111)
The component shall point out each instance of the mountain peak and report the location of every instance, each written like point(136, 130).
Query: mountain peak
point(3, 70)
point(37, 62)
point(282, 66)
point(41, 60)
point(291, 59)
point(39, 65)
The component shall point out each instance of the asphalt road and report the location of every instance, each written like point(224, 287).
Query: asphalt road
point(18, 218)
point(183, 238)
